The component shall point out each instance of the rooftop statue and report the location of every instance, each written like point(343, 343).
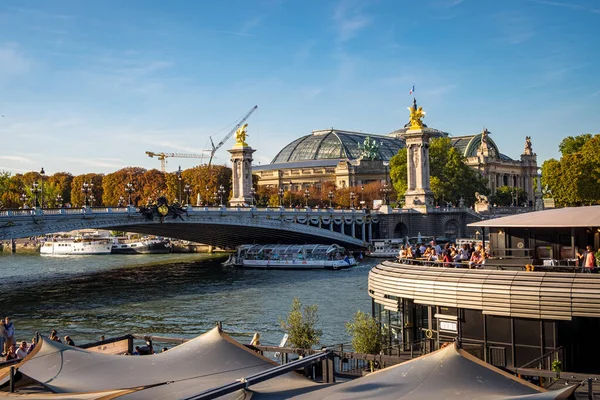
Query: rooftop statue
point(369, 149)
point(240, 136)
point(528, 149)
point(416, 116)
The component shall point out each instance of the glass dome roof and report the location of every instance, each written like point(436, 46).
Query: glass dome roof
point(334, 144)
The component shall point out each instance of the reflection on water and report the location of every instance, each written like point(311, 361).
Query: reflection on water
point(172, 295)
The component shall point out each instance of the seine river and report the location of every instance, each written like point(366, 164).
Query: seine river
point(179, 295)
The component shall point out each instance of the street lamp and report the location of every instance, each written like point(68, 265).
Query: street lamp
point(221, 192)
point(129, 190)
point(290, 194)
point(215, 198)
point(179, 183)
point(35, 189)
point(385, 191)
point(86, 189)
point(306, 196)
point(280, 197)
point(24, 199)
point(59, 201)
point(92, 199)
point(352, 196)
point(121, 201)
point(188, 190)
point(252, 195)
point(362, 194)
point(42, 174)
point(330, 195)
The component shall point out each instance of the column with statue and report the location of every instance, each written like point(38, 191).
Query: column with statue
point(241, 167)
point(418, 194)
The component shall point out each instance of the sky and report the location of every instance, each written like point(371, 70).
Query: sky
point(90, 86)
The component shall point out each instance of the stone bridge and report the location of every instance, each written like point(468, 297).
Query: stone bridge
point(217, 226)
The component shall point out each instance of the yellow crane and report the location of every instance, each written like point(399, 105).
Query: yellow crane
point(163, 157)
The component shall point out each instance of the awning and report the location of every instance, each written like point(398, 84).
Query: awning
point(569, 217)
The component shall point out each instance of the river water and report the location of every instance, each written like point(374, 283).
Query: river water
point(180, 295)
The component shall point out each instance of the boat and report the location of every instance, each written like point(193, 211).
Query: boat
point(76, 246)
point(385, 248)
point(144, 246)
point(284, 256)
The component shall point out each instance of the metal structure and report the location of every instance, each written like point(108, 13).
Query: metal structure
point(163, 157)
point(229, 134)
point(217, 226)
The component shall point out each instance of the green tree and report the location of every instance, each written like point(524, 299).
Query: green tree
point(505, 195)
point(300, 325)
point(451, 177)
point(571, 145)
point(366, 335)
point(60, 184)
point(575, 178)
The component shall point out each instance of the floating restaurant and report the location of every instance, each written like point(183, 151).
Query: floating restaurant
point(529, 302)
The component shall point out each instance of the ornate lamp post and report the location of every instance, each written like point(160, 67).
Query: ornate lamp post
point(129, 190)
point(86, 189)
point(221, 192)
point(42, 174)
point(59, 201)
point(253, 195)
point(35, 189)
point(330, 195)
point(121, 201)
point(290, 194)
point(92, 199)
point(178, 172)
point(188, 190)
point(306, 197)
point(24, 199)
point(385, 191)
point(352, 197)
point(215, 198)
point(280, 192)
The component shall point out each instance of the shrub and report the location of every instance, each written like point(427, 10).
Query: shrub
point(300, 325)
point(366, 335)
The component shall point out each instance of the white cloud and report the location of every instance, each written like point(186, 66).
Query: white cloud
point(16, 158)
point(12, 60)
point(350, 19)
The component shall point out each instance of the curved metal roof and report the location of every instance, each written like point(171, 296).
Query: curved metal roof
point(569, 217)
point(469, 145)
point(335, 144)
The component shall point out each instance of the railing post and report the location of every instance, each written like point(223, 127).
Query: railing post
point(590, 390)
point(11, 387)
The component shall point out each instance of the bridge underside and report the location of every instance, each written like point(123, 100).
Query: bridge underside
point(232, 235)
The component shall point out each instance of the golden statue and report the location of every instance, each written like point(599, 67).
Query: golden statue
point(240, 136)
point(416, 115)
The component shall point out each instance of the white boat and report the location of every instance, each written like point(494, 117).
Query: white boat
point(76, 246)
point(145, 246)
point(385, 248)
point(284, 256)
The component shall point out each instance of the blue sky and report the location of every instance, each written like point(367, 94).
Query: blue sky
point(90, 86)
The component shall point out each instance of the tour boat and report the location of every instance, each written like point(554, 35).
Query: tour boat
point(283, 256)
point(145, 246)
point(76, 246)
point(385, 248)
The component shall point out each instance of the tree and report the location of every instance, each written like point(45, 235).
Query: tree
point(78, 197)
point(366, 335)
point(575, 178)
point(61, 184)
point(451, 178)
point(505, 196)
point(572, 145)
point(300, 325)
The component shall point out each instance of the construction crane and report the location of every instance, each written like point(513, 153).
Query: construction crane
point(222, 142)
point(163, 157)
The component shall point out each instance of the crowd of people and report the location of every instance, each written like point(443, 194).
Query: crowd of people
point(469, 255)
point(8, 344)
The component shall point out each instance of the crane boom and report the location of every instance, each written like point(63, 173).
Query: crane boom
point(163, 156)
point(222, 142)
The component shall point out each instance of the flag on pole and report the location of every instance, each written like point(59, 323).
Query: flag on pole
point(412, 90)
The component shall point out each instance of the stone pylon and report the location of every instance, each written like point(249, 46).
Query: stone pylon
point(241, 169)
point(418, 194)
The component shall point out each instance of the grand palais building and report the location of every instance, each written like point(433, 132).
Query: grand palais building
point(338, 156)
